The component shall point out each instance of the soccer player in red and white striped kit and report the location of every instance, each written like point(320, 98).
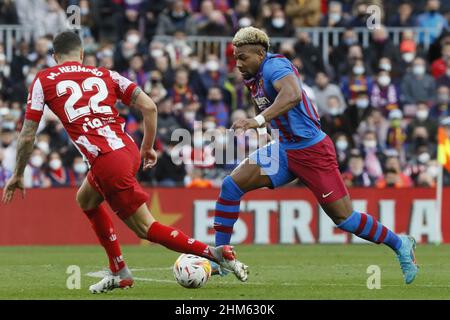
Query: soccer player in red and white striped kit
point(84, 99)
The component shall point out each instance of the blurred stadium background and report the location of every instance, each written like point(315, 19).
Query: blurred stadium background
point(382, 95)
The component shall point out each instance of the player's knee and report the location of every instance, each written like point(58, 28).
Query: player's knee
point(141, 230)
point(82, 200)
point(230, 188)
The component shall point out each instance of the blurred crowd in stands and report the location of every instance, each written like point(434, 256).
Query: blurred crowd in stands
point(381, 105)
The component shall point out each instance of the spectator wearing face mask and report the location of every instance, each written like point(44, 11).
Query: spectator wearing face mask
point(323, 90)
point(34, 176)
point(359, 109)
point(417, 85)
point(335, 120)
point(375, 122)
point(396, 135)
point(382, 46)
point(372, 155)
point(343, 145)
point(385, 95)
point(334, 17)
point(441, 109)
point(278, 25)
point(213, 75)
point(417, 167)
point(58, 174)
point(136, 72)
point(357, 81)
point(339, 54)
point(216, 107)
point(422, 119)
point(356, 175)
point(178, 49)
point(421, 137)
point(78, 172)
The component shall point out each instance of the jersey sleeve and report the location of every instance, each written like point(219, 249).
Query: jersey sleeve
point(276, 69)
point(124, 87)
point(35, 100)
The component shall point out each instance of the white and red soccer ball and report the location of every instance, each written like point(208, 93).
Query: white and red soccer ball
point(192, 271)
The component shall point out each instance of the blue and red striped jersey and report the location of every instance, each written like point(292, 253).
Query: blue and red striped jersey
point(300, 126)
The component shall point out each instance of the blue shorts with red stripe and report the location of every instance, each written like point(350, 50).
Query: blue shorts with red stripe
point(316, 166)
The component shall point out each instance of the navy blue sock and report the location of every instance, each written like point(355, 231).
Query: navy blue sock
point(227, 211)
point(366, 227)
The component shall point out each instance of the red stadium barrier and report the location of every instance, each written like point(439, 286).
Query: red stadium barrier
point(291, 215)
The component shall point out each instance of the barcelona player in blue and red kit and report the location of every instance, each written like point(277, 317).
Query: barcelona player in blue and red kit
point(301, 151)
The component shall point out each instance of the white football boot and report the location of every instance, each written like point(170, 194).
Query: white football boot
point(120, 280)
point(226, 257)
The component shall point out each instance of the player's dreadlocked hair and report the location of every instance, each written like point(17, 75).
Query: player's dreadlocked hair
point(66, 42)
point(251, 35)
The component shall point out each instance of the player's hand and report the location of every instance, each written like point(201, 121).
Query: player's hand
point(150, 158)
point(245, 124)
point(10, 187)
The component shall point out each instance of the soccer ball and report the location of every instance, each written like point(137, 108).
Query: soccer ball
point(191, 271)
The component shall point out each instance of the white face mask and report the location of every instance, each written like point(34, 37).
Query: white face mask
point(408, 57)
point(55, 164)
point(245, 22)
point(210, 125)
point(212, 65)
point(189, 116)
point(418, 70)
point(334, 17)
point(423, 157)
point(385, 66)
point(358, 70)
point(157, 53)
point(422, 114)
point(334, 111)
point(80, 167)
point(362, 103)
point(384, 81)
point(342, 145)
point(36, 161)
point(278, 22)
point(133, 39)
point(370, 144)
point(45, 148)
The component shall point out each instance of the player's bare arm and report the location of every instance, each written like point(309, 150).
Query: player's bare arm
point(24, 148)
point(289, 95)
point(149, 112)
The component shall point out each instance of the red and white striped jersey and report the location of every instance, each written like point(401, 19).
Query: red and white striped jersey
point(84, 99)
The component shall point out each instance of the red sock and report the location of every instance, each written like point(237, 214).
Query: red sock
point(103, 226)
point(177, 241)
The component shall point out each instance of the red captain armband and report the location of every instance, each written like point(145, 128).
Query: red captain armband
point(126, 97)
point(33, 115)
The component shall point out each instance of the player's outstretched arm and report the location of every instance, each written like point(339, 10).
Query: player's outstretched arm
point(289, 95)
point(24, 149)
point(149, 112)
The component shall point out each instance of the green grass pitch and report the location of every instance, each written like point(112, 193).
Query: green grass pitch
point(277, 272)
